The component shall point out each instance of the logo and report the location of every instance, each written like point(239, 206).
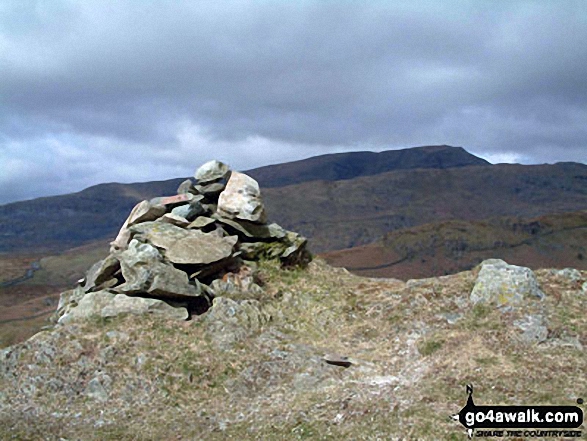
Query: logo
point(516, 421)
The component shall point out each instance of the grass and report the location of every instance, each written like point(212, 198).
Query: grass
point(409, 367)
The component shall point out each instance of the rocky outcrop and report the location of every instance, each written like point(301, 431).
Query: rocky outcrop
point(175, 254)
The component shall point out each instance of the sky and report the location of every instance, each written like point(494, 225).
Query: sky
point(131, 91)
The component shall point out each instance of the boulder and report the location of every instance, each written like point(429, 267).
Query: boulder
point(241, 199)
point(123, 304)
point(504, 285)
point(211, 171)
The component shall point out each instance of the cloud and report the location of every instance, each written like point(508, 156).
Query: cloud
point(136, 90)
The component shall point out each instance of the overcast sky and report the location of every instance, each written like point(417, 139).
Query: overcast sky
point(126, 91)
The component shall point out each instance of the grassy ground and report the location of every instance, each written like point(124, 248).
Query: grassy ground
point(262, 375)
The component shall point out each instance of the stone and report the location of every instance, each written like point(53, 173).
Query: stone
point(241, 199)
point(189, 211)
point(201, 222)
point(210, 190)
point(174, 219)
point(186, 186)
point(571, 274)
point(142, 212)
point(101, 272)
point(237, 285)
point(534, 329)
point(123, 304)
point(89, 305)
point(187, 246)
point(229, 321)
point(296, 252)
point(145, 272)
point(211, 171)
point(67, 300)
point(504, 285)
point(253, 230)
point(98, 387)
point(173, 201)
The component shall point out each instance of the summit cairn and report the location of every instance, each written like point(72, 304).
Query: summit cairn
point(173, 255)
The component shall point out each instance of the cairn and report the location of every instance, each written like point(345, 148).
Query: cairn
point(174, 254)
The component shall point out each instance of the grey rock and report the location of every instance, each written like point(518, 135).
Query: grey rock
point(253, 230)
point(123, 304)
point(142, 212)
point(145, 272)
point(229, 321)
point(101, 272)
point(186, 246)
point(98, 387)
point(201, 248)
point(68, 300)
point(88, 306)
point(241, 199)
point(237, 285)
point(451, 317)
point(504, 285)
point(534, 329)
point(174, 219)
point(296, 252)
point(209, 190)
point(137, 263)
point(201, 222)
point(211, 171)
point(170, 202)
point(189, 211)
point(570, 274)
point(186, 186)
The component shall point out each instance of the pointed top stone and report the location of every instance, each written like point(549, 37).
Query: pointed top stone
point(211, 171)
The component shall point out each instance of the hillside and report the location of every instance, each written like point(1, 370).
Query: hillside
point(333, 214)
point(259, 372)
point(61, 222)
point(448, 247)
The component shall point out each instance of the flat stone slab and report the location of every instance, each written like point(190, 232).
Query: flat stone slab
point(186, 246)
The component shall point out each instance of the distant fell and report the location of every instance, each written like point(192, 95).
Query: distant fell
point(343, 166)
point(448, 247)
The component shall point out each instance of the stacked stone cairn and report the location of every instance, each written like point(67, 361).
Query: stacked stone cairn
point(174, 254)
